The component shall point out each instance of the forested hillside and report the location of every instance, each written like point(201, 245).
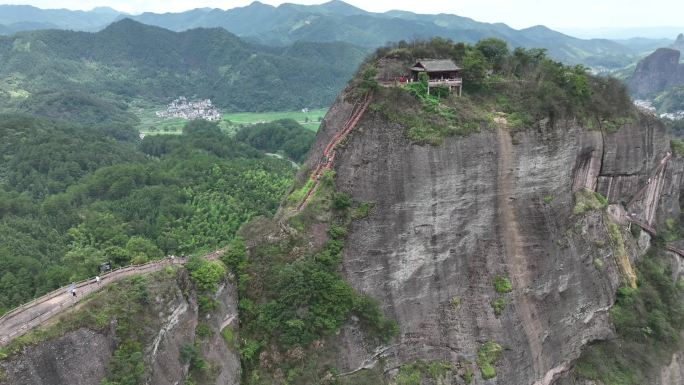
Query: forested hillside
point(75, 195)
point(281, 135)
point(129, 60)
point(342, 22)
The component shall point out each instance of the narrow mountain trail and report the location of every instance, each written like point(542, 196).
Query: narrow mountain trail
point(513, 250)
point(328, 157)
point(28, 316)
point(35, 313)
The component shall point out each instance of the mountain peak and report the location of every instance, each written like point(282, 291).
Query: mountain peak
point(106, 11)
point(340, 7)
point(258, 4)
point(128, 25)
point(126, 21)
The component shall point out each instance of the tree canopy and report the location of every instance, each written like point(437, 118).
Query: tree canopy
point(73, 196)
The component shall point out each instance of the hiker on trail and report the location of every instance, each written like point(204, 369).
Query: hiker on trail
point(72, 289)
point(97, 279)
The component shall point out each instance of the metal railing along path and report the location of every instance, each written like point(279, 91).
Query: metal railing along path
point(25, 317)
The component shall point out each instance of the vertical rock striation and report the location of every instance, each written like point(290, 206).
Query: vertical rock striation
point(448, 219)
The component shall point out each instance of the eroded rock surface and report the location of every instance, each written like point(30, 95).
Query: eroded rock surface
point(76, 358)
point(448, 219)
point(81, 357)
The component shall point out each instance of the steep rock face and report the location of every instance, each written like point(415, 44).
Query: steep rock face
point(657, 72)
point(679, 43)
point(81, 357)
point(448, 219)
point(215, 350)
point(673, 374)
point(630, 157)
point(178, 315)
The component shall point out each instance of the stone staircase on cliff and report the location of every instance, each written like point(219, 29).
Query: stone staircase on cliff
point(328, 156)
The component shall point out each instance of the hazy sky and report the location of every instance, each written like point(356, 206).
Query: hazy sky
point(516, 13)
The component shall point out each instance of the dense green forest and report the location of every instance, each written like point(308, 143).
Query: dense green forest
point(284, 135)
point(77, 185)
point(129, 60)
point(73, 196)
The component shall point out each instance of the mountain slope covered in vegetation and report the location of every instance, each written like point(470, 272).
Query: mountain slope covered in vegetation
point(129, 60)
point(73, 196)
point(338, 21)
point(341, 22)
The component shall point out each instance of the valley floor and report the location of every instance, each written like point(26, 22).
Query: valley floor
point(153, 125)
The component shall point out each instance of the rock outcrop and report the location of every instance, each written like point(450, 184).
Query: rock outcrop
point(448, 219)
point(82, 356)
point(79, 358)
point(656, 73)
point(679, 43)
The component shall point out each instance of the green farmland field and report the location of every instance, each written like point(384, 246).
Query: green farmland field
point(150, 124)
point(313, 116)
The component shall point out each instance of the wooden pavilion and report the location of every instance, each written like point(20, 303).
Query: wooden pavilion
point(441, 73)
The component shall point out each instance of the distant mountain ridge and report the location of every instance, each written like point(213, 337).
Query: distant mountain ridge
point(26, 17)
point(137, 61)
point(338, 21)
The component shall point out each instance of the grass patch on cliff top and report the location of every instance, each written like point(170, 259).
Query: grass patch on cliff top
point(487, 356)
point(498, 306)
point(502, 284)
point(586, 200)
point(427, 123)
point(420, 371)
point(677, 146)
point(362, 210)
point(648, 319)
